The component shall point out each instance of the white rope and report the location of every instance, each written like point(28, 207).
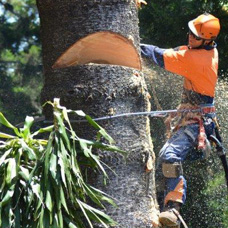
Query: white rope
point(162, 113)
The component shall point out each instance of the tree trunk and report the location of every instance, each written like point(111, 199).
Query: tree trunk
point(100, 90)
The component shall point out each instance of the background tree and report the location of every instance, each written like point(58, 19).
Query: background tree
point(20, 60)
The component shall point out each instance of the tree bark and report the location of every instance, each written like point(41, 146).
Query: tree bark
point(100, 90)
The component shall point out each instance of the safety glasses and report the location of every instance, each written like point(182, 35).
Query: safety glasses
point(194, 36)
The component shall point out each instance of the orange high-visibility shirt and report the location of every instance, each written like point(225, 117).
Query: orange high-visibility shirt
point(199, 67)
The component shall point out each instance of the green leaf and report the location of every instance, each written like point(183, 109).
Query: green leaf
point(48, 102)
point(38, 209)
point(4, 156)
point(5, 122)
point(47, 153)
point(92, 122)
point(24, 173)
point(55, 223)
point(85, 149)
point(95, 214)
point(103, 146)
point(71, 225)
point(62, 130)
point(46, 219)
point(62, 171)
point(95, 158)
point(84, 212)
point(7, 216)
point(30, 151)
point(60, 219)
point(80, 113)
point(102, 195)
point(11, 171)
point(27, 125)
point(6, 136)
point(36, 190)
point(53, 165)
point(63, 200)
point(106, 135)
point(8, 196)
point(43, 130)
point(95, 217)
point(16, 210)
point(18, 217)
point(93, 197)
point(101, 130)
point(42, 142)
point(65, 116)
point(48, 201)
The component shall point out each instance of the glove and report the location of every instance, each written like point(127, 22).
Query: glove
point(139, 2)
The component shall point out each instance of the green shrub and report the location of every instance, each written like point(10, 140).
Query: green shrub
point(41, 180)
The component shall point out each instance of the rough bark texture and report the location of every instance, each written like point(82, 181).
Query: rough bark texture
point(100, 90)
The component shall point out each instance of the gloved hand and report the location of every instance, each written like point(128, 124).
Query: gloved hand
point(139, 2)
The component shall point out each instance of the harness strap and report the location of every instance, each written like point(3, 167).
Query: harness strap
point(201, 136)
point(207, 109)
point(190, 119)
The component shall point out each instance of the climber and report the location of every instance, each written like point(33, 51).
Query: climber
point(197, 62)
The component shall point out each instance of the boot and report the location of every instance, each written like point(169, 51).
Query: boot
point(170, 216)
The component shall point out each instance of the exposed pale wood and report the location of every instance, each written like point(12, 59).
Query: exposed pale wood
point(101, 47)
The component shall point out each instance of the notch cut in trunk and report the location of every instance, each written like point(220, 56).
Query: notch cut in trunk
point(102, 48)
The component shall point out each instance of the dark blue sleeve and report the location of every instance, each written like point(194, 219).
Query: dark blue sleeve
point(154, 53)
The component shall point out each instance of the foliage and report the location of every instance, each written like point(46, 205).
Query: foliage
point(42, 184)
point(20, 59)
point(206, 202)
point(217, 197)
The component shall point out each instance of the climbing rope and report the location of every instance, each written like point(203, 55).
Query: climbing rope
point(162, 113)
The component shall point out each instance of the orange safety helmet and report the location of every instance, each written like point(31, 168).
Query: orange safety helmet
point(205, 26)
